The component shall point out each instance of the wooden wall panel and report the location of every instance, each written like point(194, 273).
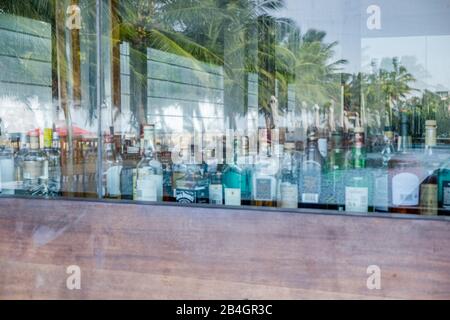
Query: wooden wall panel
point(136, 251)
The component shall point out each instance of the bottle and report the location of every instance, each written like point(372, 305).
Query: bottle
point(357, 182)
point(334, 179)
point(381, 176)
point(429, 187)
point(405, 172)
point(34, 167)
point(311, 170)
point(130, 156)
point(245, 162)
point(189, 177)
point(264, 177)
point(232, 179)
point(324, 136)
point(52, 150)
point(215, 187)
point(444, 188)
point(19, 156)
point(6, 162)
point(112, 166)
point(288, 188)
point(149, 172)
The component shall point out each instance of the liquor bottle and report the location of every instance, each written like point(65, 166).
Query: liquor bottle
point(429, 187)
point(288, 186)
point(34, 167)
point(112, 166)
point(264, 178)
point(311, 170)
point(52, 150)
point(130, 156)
point(245, 162)
point(165, 157)
point(19, 156)
point(444, 188)
point(334, 178)
point(189, 178)
point(357, 182)
point(405, 172)
point(6, 162)
point(232, 179)
point(149, 173)
point(381, 176)
point(215, 186)
point(324, 136)
point(6, 165)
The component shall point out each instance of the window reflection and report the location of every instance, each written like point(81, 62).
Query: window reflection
point(324, 104)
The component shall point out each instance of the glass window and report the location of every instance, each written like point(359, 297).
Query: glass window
point(334, 105)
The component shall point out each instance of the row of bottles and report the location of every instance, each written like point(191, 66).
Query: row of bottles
point(329, 171)
point(26, 167)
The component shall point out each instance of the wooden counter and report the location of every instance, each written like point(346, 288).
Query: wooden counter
point(160, 251)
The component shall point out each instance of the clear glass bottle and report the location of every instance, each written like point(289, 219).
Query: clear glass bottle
point(288, 186)
point(232, 179)
point(405, 172)
point(24, 146)
point(429, 187)
point(6, 162)
point(112, 167)
point(189, 177)
point(264, 178)
point(52, 149)
point(34, 167)
point(357, 184)
point(149, 172)
point(381, 175)
point(131, 156)
point(215, 189)
point(311, 170)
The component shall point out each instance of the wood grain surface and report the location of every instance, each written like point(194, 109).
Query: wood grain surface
point(133, 251)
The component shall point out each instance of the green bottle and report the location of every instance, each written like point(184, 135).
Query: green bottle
point(334, 177)
point(357, 182)
point(232, 180)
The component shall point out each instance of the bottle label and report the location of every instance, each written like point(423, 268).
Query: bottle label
point(263, 189)
point(311, 184)
point(446, 194)
point(323, 147)
point(215, 194)
point(310, 198)
point(113, 181)
point(32, 170)
point(232, 196)
point(429, 199)
point(147, 187)
point(356, 199)
point(7, 169)
point(430, 137)
point(289, 195)
point(381, 196)
point(48, 137)
point(185, 196)
point(405, 189)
